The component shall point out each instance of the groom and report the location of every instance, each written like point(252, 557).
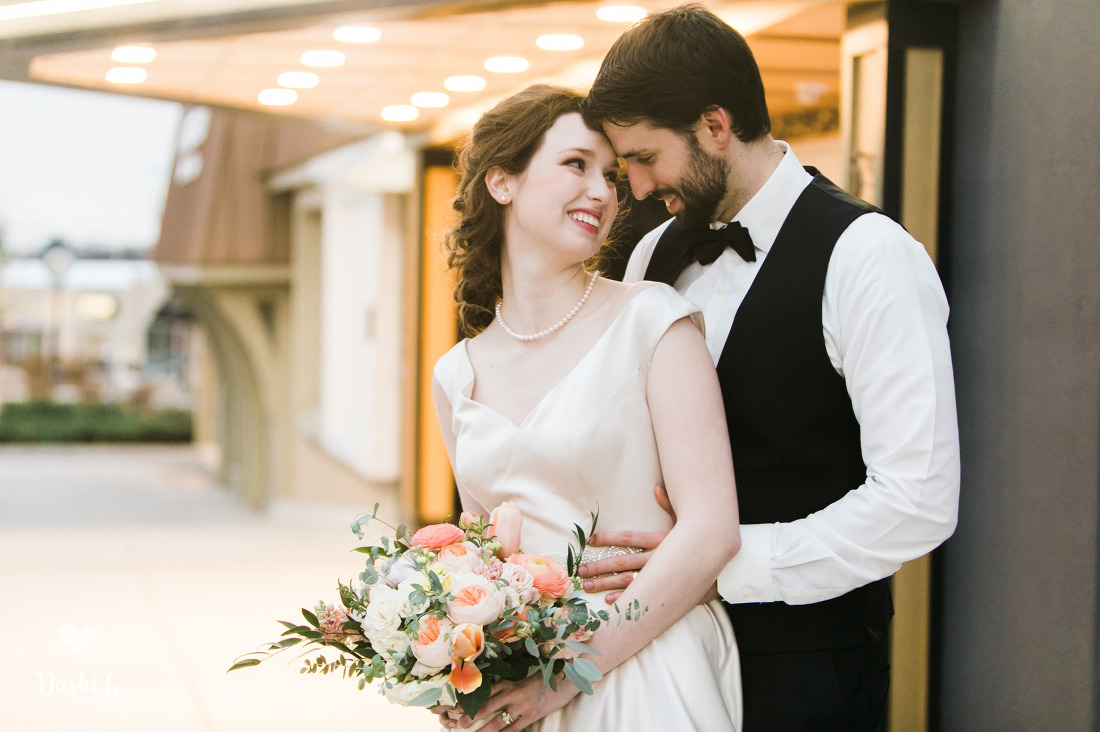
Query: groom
point(827, 324)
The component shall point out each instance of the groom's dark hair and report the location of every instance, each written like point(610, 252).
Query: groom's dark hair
point(674, 65)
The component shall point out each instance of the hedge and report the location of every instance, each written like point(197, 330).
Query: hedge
point(54, 422)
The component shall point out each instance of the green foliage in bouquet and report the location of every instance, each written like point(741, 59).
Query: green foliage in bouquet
point(440, 616)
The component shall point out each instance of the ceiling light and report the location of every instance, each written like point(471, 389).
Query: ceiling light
point(299, 79)
point(464, 84)
point(430, 99)
point(277, 97)
point(506, 64)
point(357, 34)
point(560, 42)
point(621, 13)
point(324, 59)
point(56, 7)
point(126, 75)
point(400, 113)
point(133, 54)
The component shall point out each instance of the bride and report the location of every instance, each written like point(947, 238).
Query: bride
point(575, 394)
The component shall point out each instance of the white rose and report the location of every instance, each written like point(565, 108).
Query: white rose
point(388, 642)
point(384, 609)
point(403, 693)
point(420, 671)
point(405, 591)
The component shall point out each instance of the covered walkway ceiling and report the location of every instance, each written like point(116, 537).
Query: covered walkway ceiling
point(228, 52)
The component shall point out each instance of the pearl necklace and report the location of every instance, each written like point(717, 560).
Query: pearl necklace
point(552, 328)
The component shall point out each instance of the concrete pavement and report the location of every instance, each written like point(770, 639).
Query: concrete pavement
point(129, 582)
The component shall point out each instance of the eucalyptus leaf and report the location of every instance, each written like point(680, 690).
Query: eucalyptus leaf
point(578, 646)
point(244, 664)
point(427, 698)
point(587, 669)
point(577, 680)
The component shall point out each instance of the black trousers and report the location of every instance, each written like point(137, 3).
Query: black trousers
point(836, 690)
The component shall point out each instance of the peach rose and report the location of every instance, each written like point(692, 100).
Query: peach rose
point(467, 641)
point(432, 646)
point(547, 576)
point(462, 555)
point(506, 523)
point(476, 599)
point(436, 536)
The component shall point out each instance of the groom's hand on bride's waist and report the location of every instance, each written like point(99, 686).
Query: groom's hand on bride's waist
point(616, 573)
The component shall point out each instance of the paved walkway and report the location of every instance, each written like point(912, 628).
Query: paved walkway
point(129, 583)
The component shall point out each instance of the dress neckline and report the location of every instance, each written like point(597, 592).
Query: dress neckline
point(467, 390)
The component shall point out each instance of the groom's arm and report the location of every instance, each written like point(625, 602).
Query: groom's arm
point(885, 320)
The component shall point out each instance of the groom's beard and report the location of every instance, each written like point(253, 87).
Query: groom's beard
point(701, 189)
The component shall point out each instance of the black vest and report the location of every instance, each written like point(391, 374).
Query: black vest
point(795, 440)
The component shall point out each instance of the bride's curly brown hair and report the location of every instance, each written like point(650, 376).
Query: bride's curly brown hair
point(507, 136)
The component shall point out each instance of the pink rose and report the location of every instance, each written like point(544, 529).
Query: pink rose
point(400, 569)
point(521, 582)
point(436, 536)
point(506, 523)
point(547, 576)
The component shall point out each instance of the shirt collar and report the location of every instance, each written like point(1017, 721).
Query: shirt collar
point(765, 212)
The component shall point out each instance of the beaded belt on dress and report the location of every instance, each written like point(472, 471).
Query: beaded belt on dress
point(596, 553)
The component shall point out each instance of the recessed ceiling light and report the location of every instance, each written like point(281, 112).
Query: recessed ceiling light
point(621, 13)
point(464, 84)
point(323, 59)
point(400, 113)
point(133, 54)
point(357, 34)
point(506, 64)
point(299, 79)
point(430, 99)
point(560, 42)
point(277, 97)
point(126, 75)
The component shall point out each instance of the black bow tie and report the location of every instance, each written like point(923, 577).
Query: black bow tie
point(708, 244)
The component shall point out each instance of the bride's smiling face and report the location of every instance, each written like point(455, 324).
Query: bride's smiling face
point(566, 198)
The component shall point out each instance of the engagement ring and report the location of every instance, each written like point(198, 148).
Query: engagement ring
point(506, 717)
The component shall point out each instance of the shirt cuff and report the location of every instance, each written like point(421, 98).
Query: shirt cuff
point(748, 576)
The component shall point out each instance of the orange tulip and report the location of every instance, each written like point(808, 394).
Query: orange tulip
point(465, 677)
point(467, 641)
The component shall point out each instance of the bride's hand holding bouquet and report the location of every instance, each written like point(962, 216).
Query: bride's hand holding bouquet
point(440, 617)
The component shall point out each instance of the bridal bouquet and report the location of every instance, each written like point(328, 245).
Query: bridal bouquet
point(438, 617)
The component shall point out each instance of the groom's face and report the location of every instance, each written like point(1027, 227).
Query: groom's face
point(673, 168)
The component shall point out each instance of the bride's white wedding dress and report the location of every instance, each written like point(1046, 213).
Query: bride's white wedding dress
point(588, 445)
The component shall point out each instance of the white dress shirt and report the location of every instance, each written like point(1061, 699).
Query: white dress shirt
point(884, 318)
